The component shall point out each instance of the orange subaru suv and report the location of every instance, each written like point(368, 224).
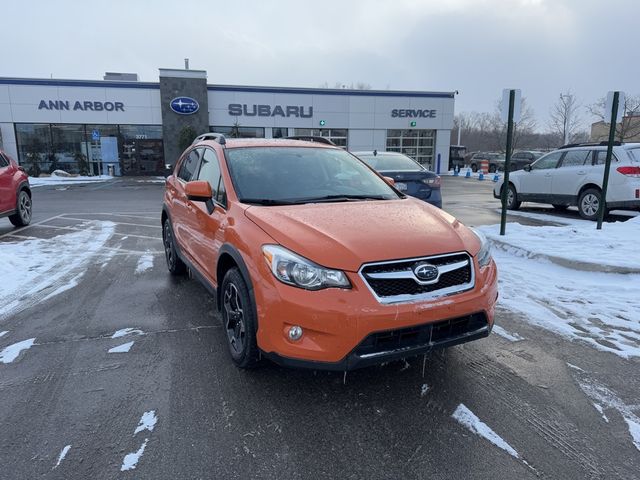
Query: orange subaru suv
point(317, 261)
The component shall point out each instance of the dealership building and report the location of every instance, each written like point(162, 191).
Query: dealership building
point(128, 127)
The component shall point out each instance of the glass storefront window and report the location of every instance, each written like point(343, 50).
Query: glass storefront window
point(34, 146)
point(339, 136)
point(141, 149)
point(102, 146)
point(279, 132)
point(417, 144)
point(68, 149)
point(236, 131)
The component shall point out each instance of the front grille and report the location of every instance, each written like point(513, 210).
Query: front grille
point(389, 290)
point(430, 334)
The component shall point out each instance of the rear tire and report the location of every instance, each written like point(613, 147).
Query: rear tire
point(239, 320)
point(589, 202)
point(22, 217)
point(512, 198)
point(174, 264)
point(560, 208)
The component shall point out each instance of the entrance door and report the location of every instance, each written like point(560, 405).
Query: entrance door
point(143, 157)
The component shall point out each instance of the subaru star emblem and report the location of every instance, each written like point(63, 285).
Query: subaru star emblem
point(425, 272)
point(184, 105)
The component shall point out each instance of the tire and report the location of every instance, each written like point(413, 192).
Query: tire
point(588, 203)
point(560, 208)
point(174, 264)
point(474, 167)
point(239, 320)
point(22, 217)
point(492, 169)
point(512, 198)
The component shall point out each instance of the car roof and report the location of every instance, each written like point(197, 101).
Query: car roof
point(381, 153)
point(265, 142)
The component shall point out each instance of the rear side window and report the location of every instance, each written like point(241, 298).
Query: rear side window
point(210, 171)
point(189, 165)
point(601, 157)
point(634, 154)
point(575, 158)
point(3, 161)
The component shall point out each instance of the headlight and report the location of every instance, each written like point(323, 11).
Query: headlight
point(484, 255)
point(295, 270)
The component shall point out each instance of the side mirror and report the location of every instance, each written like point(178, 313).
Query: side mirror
point(390, 181)
point(200, 191)
point(527, 167)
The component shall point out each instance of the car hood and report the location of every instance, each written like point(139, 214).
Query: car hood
point(346, 235)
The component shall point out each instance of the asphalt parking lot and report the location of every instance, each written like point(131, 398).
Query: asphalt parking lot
point(211, 420)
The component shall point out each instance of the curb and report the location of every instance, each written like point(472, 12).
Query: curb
point(564, 262)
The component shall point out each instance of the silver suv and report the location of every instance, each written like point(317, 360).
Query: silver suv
point(572, 175)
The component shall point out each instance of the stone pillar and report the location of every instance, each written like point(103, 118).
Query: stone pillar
point(182, 83)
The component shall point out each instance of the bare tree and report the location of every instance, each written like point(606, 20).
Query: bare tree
point(522, 130)
point(565, 119)
point(630, 125)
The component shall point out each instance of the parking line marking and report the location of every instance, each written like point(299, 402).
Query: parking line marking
point(85, 229)
point(117, 223)
point(28, 226)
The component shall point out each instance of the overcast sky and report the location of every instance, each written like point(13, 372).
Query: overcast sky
point(477, 47)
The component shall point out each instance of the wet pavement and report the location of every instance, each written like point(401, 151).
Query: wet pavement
point(536, 392)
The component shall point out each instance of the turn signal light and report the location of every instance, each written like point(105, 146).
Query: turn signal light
point(629, 171)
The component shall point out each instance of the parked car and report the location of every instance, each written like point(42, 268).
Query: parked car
point(573, 175)
point(496, 161)
point(316, 261)
point(15, 192)
point(409, 176)
point(457, 155)
point(523, 157)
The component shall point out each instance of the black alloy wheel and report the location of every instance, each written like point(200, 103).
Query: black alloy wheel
point(175, 265)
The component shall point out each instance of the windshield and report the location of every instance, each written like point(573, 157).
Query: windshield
point(391, 162)
point(280, 175)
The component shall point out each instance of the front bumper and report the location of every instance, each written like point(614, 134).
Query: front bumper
point(338, 323)
point(393, 345)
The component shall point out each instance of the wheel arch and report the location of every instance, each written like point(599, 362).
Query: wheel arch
point(587, 187)
point(228, 258)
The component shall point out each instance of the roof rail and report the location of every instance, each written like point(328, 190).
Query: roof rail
point(590, 144)
point(216, 137)
point(311, 138)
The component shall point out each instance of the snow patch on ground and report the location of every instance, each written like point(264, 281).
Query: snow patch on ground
point(424, 389)
point(603, 396)
point(602, 309)
point(600, 410)
point(10, 353)
point(35, 270)
point(575, 367)
point(63, 454)
point(614, 245)
point(55, 180)
point(512, 337)
point(145, 262)
point(147, 422)
point(3, 333)
point(124, 348)
point(131, 459)
point(162, 180)
point(467, 418)
point(127, 331)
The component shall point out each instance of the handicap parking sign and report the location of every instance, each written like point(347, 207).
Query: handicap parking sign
point(95, 135)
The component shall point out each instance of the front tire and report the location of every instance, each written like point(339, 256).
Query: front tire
point(512, 198)
point(239, 320)
point(174, 264)
point(22, 217)
point(589, 203)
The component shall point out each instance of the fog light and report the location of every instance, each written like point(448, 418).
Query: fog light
point(295, 333)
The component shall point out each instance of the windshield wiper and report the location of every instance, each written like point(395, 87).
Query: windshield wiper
point(267, 201)
point(344, 198)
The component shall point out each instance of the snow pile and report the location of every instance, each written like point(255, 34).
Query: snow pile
point(147, 422)
point(602, 309)
point(35, 270)
point(60, 180)
point(145, 262)
point(124, 348)
point(613, 246)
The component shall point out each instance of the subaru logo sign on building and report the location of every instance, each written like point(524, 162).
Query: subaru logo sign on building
point(184, 105)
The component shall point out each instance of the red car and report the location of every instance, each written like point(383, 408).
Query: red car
point(15, 192)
